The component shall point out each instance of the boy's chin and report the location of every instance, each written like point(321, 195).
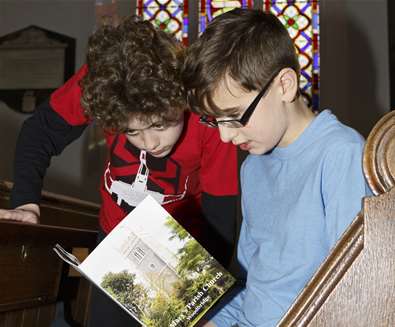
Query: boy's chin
point(257, 151)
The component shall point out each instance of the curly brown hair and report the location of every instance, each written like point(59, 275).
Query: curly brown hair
point(133, 71)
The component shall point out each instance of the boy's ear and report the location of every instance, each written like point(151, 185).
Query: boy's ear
point(289, 84)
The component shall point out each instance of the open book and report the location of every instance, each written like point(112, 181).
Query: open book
point(153, 268)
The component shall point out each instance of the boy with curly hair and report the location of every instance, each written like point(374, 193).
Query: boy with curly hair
point(131, 85)
point(302, 183)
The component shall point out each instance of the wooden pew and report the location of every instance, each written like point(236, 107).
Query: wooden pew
point(355, 286)
point(32, 278)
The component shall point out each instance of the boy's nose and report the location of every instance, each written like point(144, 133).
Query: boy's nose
point(150, 142)
point(227, 134)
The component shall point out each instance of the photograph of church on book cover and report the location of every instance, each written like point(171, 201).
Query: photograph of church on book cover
point(152, 267)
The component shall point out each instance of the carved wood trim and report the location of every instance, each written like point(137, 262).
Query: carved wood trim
point(327, 276)
point(379, 155)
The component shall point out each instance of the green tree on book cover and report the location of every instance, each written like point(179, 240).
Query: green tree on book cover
point(123, 287)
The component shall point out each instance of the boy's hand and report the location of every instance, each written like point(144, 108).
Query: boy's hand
point(27, 213)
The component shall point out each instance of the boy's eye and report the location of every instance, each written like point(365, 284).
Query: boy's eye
point(231, 118)
point(158, 127)
point(131, 132)
point(235, 115)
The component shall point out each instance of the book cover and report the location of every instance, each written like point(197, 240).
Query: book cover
point(154, 269)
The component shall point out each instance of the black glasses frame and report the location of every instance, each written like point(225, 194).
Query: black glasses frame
point(243, 120)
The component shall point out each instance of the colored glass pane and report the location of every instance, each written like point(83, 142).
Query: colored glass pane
point(209, 9)
point(301, 17)
point(170, 15)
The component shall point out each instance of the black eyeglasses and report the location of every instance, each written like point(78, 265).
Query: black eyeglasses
point(243, 120)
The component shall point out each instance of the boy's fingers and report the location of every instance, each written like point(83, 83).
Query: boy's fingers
point(19, 215)
point(5, 214)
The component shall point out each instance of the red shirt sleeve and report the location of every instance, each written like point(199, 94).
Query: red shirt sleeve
point(66, 100)
point(219, 167)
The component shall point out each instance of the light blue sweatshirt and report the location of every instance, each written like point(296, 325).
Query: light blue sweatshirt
point(296, 202)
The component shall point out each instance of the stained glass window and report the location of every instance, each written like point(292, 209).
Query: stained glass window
point(170, 15)
point(302, 21)
point(209, 9)
point(301, 18)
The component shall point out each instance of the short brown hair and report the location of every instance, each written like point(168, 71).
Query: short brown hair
point(248, 45)
point(133, 71)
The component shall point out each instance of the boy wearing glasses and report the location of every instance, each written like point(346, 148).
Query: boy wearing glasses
point(302, 183)
point(132, 87)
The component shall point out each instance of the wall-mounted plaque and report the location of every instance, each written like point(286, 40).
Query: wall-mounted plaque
point(33, 63)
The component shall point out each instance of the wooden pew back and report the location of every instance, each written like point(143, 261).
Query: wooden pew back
point(32, 277)
point(355, 286)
